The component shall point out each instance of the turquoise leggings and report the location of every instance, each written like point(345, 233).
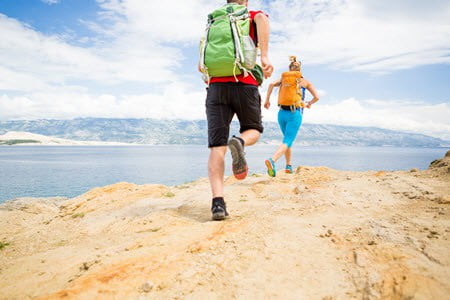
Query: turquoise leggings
point(289, 124)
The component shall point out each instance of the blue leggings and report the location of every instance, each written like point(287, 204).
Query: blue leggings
point(289, 124)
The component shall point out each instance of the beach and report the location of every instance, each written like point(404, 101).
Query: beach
point(319, 233)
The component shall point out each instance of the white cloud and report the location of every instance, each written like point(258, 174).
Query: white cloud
point(417, 117)
point(175, 21)
point(141, 42)
point(373, 36)
point(51, 61)
point(50, 2)
point(175, 101)
point(180, 101)
point(18, 81)
point(137, 41)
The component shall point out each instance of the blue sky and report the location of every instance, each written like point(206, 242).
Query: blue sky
point(375, 63)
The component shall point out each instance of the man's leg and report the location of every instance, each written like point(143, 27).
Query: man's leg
point(219, 116)
point(236, 144)
point(250, 136)
point(215, 174)
point(247, 106)
point(216, 170)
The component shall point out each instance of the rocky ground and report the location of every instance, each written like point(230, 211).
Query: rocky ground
point(316, 234)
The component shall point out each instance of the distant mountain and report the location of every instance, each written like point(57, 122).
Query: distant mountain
point(152, 131)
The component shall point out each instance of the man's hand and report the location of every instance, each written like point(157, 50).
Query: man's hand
point(267, 104)
point(266, 67)
point(308, 104)
point(262, 28)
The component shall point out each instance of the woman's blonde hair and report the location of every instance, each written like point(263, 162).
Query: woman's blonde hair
point(294, 65)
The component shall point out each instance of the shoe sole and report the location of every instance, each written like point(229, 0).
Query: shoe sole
point(218, 216)
point(270, 169)
point(240, 168)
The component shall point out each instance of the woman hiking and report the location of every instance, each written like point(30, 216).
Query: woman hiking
point(291, 103)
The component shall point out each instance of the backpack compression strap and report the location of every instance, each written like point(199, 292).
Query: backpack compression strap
point(237, 43)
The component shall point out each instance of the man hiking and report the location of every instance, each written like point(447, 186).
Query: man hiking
point(233, 89)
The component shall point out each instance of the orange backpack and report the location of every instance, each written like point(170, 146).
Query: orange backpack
point(291, 93)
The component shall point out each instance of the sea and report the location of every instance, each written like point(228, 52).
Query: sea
point(68, 171)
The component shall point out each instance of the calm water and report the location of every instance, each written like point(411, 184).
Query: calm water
point(45, 171)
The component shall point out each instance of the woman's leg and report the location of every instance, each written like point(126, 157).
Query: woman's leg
point(280, 151)
point(292, 126)
point(283, 119)
point(289, 124)
point(288, 156)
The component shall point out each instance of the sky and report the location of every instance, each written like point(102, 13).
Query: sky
point(375, 63)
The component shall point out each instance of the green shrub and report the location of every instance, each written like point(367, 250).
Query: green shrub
point(78, 215)
point(169, 194)
point(3, 245)
point(16, 142)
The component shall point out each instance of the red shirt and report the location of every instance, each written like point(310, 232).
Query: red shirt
point(249, 79)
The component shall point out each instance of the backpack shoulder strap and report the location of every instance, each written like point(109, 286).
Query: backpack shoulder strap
point(255, 30)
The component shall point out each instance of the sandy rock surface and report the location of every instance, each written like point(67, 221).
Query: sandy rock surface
point(315, 234)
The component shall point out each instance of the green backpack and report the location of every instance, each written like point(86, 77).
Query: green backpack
point(227, 48)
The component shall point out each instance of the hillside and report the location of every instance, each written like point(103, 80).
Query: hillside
point(26, 138)
point(151, 131)
point(316, 234)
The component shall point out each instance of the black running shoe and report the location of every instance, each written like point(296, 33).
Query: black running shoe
point(240, 168)
point(219, 209)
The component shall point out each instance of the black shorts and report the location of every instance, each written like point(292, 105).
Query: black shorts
point(223, 100)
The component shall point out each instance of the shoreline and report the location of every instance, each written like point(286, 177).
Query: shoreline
point(13, 138)
point(80, 186)
point(376, 234)
point(256, 145)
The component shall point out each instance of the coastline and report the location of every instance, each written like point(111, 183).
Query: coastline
point(37, 171)
point(17, 138)
point(341, 234)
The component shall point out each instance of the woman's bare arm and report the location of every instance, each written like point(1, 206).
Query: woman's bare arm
point(310, 87)
point(269, 92)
